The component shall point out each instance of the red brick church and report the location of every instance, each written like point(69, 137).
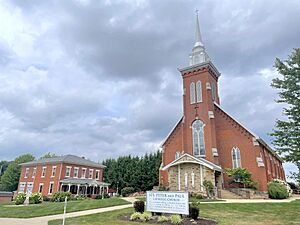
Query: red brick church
point(206, 140)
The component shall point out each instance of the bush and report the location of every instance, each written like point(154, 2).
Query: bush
point(135, 216)
point(46, 199)
point(126, 191)
point(98, 197)
point(145, 216)
point(176, 219)
point(199, 196)
point(139, 206)
point(20, 198)
point(35, 198)
point(278, 189)
point(162, 219)
point(60, 196)
point(163, 188)
point(106, 195)
point(193, 212)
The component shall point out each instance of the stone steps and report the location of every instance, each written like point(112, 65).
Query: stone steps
point(229, 195)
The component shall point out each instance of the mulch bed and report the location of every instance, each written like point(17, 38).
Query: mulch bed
point(186, 221)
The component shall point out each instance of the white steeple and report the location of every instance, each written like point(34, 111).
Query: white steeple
point(198, 54)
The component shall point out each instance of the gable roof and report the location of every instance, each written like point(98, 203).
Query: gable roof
point(71, 159)
point(199, 161)
point(260, 140)
point(165, 140)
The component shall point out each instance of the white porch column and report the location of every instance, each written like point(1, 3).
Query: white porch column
point(179, 178)
point(201, 177)
point(186, 180)
point(92, 191)
point(193, 179)
point(69, 187)
point(61, 186)
point(78, 186)
point(100, 191)
point(86, 187)
point(107, 189)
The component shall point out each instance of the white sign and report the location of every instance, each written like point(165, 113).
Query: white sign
point(168, 202)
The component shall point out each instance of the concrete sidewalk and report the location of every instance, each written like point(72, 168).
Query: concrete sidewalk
point(254, 200)
point(44, 219)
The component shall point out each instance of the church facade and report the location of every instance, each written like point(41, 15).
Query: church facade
point(207, 140)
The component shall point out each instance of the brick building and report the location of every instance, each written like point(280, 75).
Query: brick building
point(63, 173)
point(206, 139)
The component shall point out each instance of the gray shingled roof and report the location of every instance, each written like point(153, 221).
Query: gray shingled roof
point(71, 159)
point(83, 181)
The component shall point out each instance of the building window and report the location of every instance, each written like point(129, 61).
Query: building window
point(236, 158)
point(34, 172)
point(26, 172)
point(83, 173)
point(22, 187)
point(214, 91)
point(51, 187)
point(199, 91)
point(192, 93)
point(91, 171)
point(97, 174)
point(41, 188)
point(198, 138)
point(44, 171)
point(177, 155)
point(68, 171)
point(53, 171)
point(76, 172)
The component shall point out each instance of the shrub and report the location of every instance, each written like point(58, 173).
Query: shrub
point(126, 191)
point(20, 198)
point(162, 219)
point(145, 216)
point(199, 196)
point(193, 212)
point(163, 188)
point(35, 198)
point(46, 199)
point(278, 189)
point(98, 197)
point(176, 219)
point(60, 196)
point(139, 206)
point(106, 195)
point(135, 216)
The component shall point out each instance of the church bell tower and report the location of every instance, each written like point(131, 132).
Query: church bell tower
point(200, 85)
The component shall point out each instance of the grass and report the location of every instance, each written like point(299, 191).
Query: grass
point(52, 208)
point(225, 214)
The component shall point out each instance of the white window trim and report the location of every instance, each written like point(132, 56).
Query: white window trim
point(192, 93)
point(52, 188)
point(97, 178)
point(41, 184)
point(52, 171)
point(82, 172)
point(240, 162)
point(26, 174)
point(76, 168)
point(90, 173)
point(44, 167)
point(22, 183)
point(68, 167)
point(34, 174)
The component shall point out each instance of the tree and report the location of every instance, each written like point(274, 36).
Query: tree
point(3, 167)
point(48, 155)
point(9, 180)
point(241, 175)
point(286, 134)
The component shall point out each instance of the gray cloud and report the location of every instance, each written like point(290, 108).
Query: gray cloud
point(100, 78)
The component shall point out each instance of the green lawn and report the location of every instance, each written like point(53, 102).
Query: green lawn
point(225, 214)
point(51, 208)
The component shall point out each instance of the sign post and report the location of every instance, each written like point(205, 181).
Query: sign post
point(65, 210)
point(168, 202)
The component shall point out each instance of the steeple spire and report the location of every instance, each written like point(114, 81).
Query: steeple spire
point(198, 54)
point(198, 33)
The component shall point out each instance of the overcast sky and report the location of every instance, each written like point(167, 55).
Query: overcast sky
point(100, 79)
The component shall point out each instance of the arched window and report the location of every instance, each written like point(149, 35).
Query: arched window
point(198, 138)
point(214, 91)
point(236, 158)
point(192, 93)
point(199, 91)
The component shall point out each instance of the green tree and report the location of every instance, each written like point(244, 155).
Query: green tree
point(241, 175)
point(48, 155)
point(9, 180)
point(286, 134)
point(3, 167)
